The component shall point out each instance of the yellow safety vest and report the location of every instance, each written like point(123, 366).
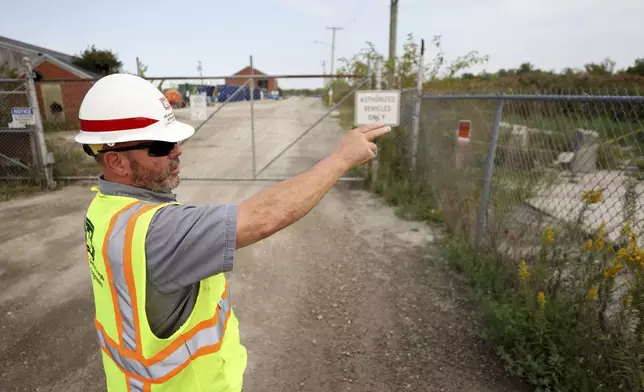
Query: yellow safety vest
point(204, 354)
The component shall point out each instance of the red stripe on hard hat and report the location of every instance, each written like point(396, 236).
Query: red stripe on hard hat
point(120, 124)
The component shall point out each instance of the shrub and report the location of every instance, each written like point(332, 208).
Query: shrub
point(570, 319)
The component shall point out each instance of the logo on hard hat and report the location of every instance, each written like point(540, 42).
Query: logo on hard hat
point(165, 102)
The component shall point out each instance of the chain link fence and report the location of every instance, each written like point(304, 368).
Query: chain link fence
point(241, 123)
point(550, 185)
point(22, 155)
point(523, 162)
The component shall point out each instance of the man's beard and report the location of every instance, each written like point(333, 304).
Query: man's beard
point(157, 182)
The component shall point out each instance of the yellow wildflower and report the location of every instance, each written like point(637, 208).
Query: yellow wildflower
point(588, 245)
point(541, 298)
point(622, 254)
point(524, 273)
point(593, 196)
point(600, 239)
point(602, 229)
point(632, 239)
point(599, 244)
point(612, 270)
point(626, 230)
point(628, 300)
point(548, 235)
point(592, 294)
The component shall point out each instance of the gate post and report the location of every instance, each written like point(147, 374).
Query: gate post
point(374, 161)
point(41, 144)
point(481, 220)
point(252, 115)
point(416, 113)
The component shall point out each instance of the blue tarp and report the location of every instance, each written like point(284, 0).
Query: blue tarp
point(226, 90)
point(209, 90)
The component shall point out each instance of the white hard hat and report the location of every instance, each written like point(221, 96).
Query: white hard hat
point(124, 108)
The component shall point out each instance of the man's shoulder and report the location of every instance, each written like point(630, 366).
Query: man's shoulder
point(181, 217)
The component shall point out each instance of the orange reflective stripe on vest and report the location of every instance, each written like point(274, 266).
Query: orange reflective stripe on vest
point(205, 338)
point(126, 351)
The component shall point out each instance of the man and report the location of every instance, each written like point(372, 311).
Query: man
point(163, 313)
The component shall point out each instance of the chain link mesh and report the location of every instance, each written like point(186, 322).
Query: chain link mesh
point(18, 154)
point(575, 163)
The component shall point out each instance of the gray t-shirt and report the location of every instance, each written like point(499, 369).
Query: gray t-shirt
point(185, 244)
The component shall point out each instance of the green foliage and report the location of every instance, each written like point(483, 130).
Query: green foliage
point(637, 68)
point(7, 72)
point(557, 319)
point(103, 62)
point(547, 317)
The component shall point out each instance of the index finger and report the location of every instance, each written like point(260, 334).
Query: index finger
point(377, 132)
point(371, 127)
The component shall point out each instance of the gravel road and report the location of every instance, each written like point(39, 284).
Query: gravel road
point(350, 298)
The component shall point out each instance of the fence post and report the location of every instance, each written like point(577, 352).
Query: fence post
point(252, 115)
point(374, 161)
point(481, 221)
point(41, 144)
point(417, 105)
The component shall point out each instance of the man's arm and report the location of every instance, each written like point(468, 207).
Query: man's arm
point(284, 203)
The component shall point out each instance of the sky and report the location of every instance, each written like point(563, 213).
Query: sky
point(172, 36)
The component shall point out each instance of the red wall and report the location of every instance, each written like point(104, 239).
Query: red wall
point(72, 91)
point(272, 83)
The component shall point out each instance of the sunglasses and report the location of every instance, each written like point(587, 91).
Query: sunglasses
point(155, 148)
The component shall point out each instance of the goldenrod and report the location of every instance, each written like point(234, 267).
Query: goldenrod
point(541, 298)
point(548, 235)
point(592, 294)
point(593, 196)
point(524, 273)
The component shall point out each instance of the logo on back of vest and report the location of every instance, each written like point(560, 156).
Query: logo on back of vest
point(91, 252)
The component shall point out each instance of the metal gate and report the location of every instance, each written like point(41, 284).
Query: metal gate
point(23, 149)
point(244, 132)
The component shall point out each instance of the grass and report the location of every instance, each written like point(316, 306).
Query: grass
point(15, 190)
point(547, 330)
point(70, 160)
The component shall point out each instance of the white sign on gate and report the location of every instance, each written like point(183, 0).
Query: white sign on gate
point(23, 116)
point(377, 106)
point(198, 107)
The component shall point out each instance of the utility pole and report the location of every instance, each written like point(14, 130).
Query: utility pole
point(200, 69)
point(393, 28)
point(324, 72)
point(138, 66)
point(333, 44)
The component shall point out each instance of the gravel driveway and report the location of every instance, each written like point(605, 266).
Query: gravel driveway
point(350, 298)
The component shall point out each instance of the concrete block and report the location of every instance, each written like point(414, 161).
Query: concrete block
point(519, 137)
point(586, 145)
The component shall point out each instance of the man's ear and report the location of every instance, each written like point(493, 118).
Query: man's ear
point(116, 163)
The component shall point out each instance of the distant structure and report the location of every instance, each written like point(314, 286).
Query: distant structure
point(267, 85)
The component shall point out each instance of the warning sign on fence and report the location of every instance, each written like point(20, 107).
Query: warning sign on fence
point(23, 116)
point(377, 106)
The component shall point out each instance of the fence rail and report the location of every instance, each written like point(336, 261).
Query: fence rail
point(538, 97)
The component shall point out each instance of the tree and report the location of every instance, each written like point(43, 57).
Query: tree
point(637, 68)
point(141, 68)
point(7, 72)
point(103, 62)
point(407, 63)
point(525, 68)
point(606, 67)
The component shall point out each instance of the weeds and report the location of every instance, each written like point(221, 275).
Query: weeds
point(570, 319)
